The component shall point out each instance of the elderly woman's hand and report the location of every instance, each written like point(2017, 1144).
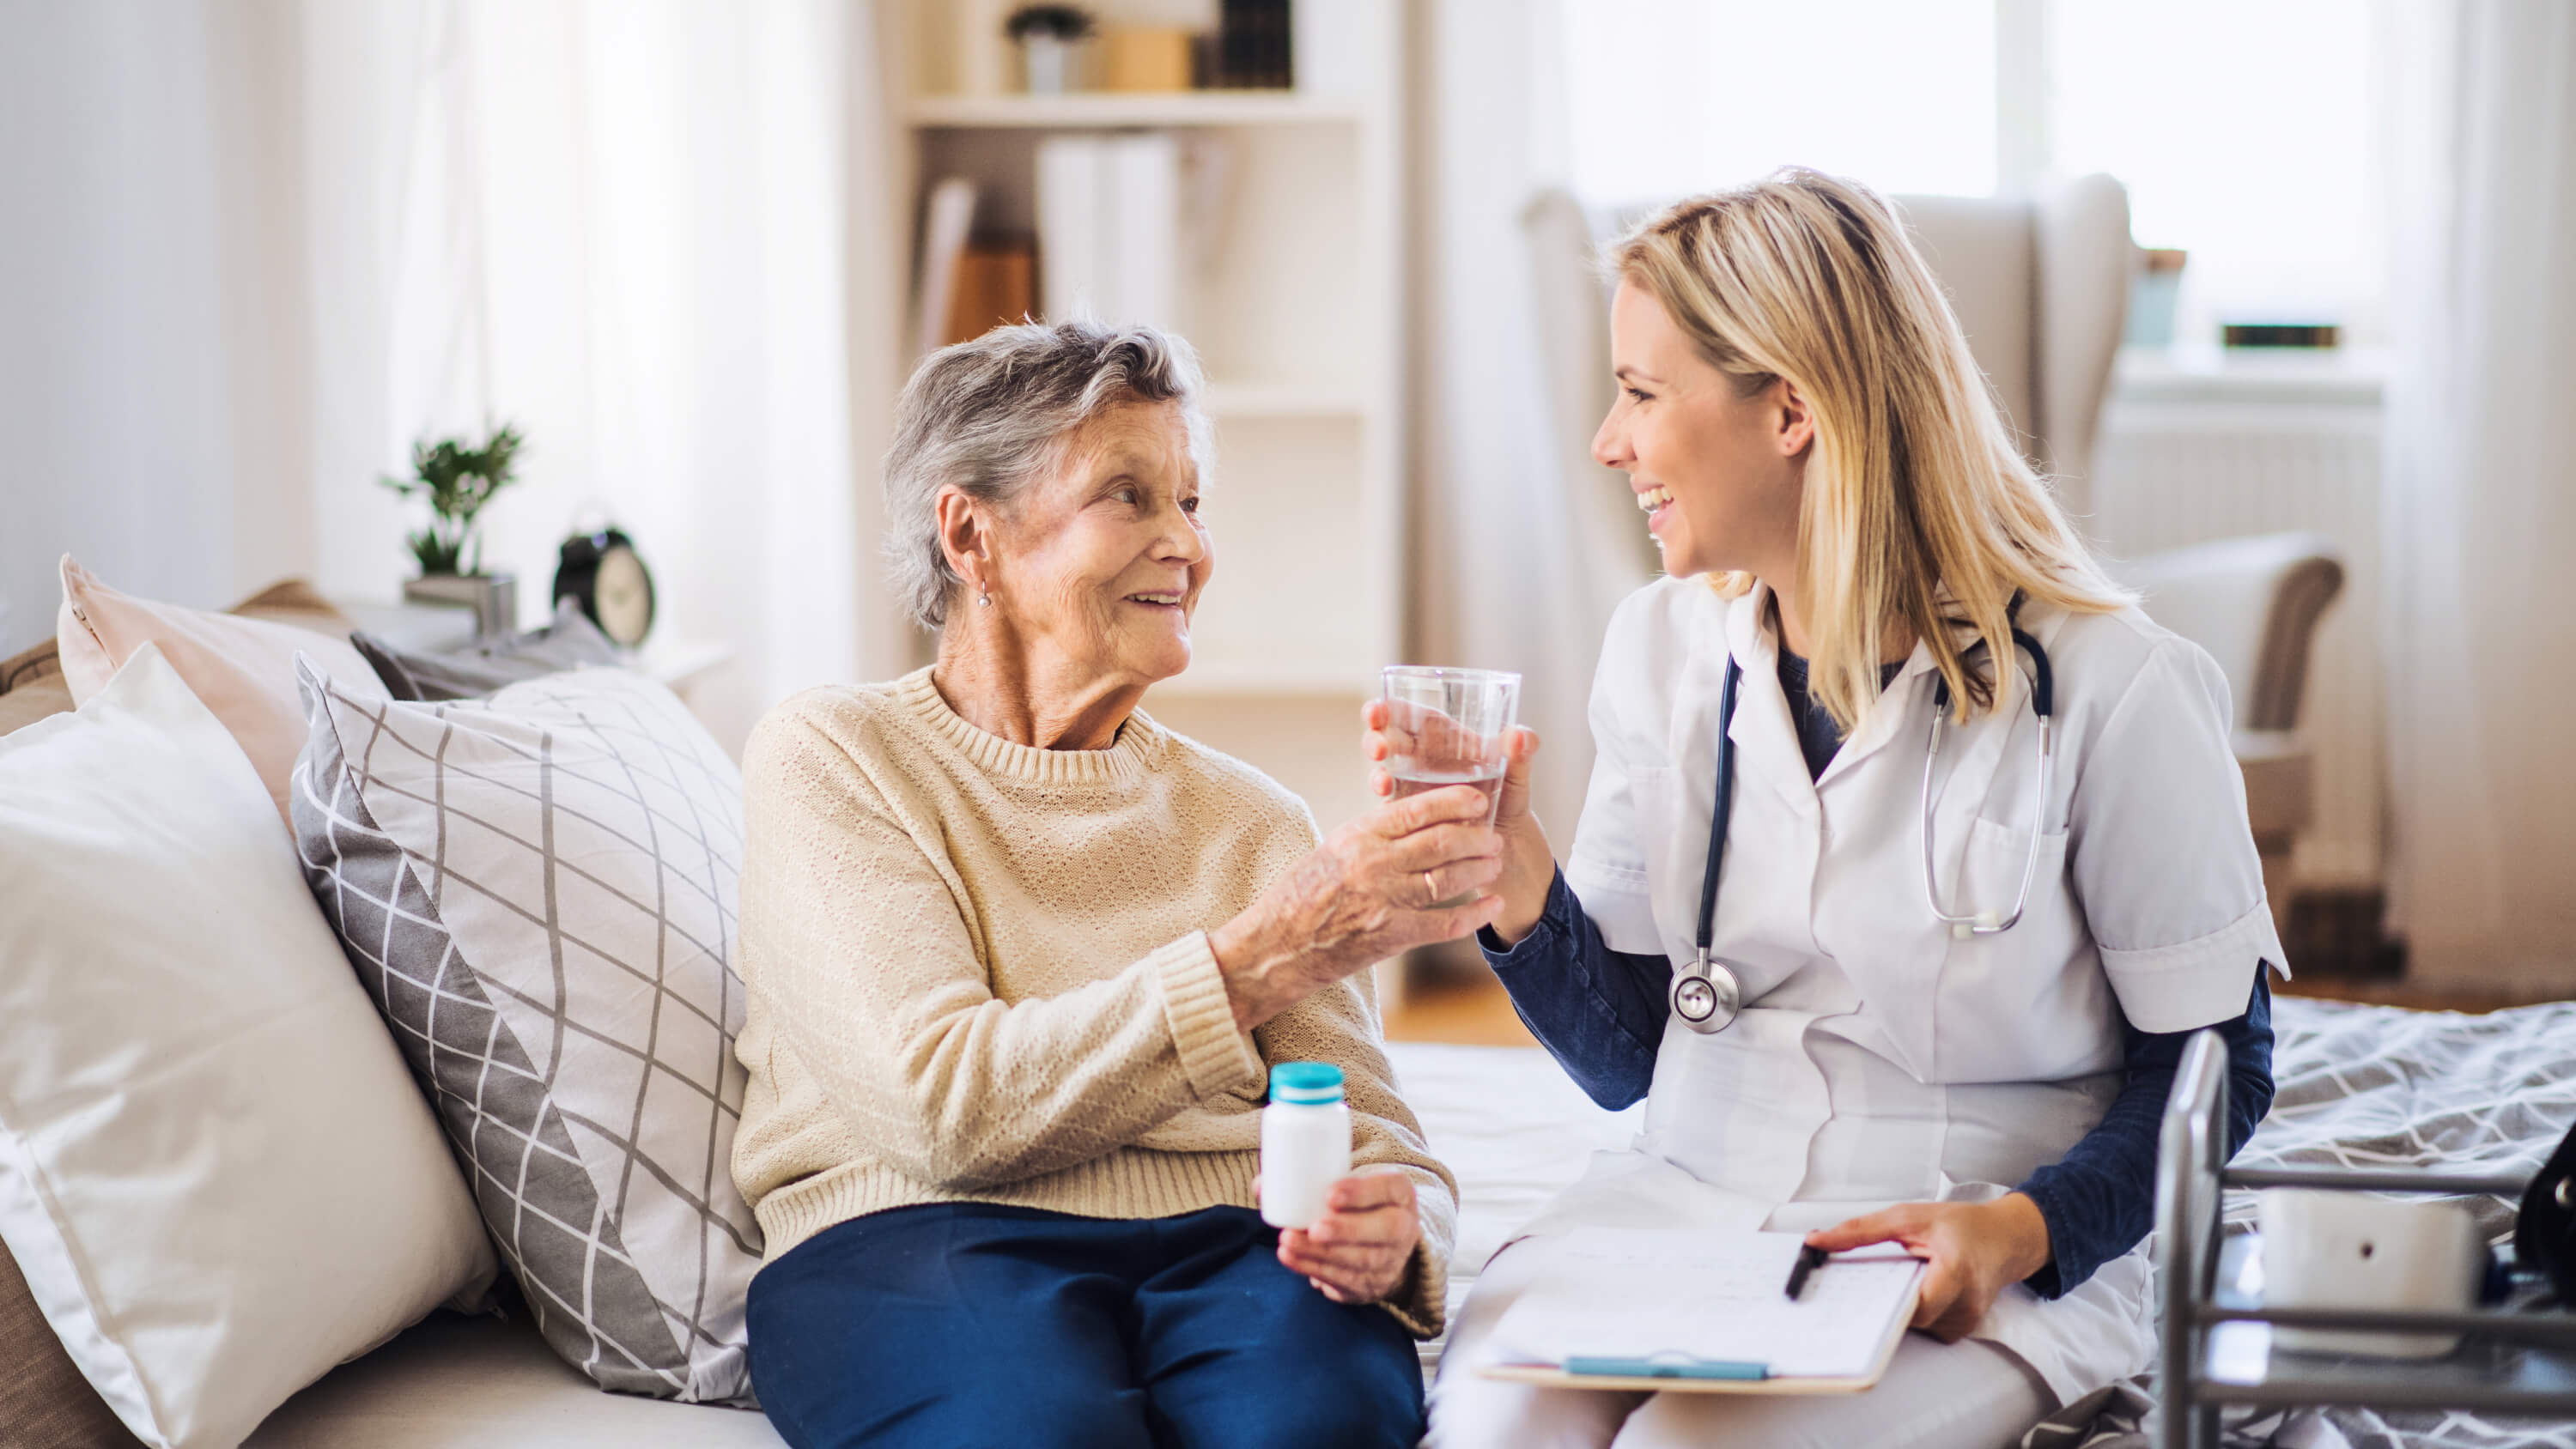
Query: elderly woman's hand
point(1356, 1252)
point(1369, 891)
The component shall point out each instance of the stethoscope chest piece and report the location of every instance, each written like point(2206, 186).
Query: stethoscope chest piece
point(1708, 996)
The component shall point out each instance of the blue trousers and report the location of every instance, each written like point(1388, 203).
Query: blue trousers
point(951, 1325)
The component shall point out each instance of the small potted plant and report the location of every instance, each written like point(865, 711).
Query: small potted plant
point(1046, 36)
point(459, 480)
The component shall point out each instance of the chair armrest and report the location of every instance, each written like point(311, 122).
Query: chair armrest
point(2254, 604)
point(2280, 783)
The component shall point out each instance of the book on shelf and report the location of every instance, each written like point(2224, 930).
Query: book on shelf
point(965, 286)
point(1252, 45)
point(1109, 227)
point(996, 285)
point(945, 223)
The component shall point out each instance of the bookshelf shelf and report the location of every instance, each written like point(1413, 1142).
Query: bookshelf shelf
point(1108, 110)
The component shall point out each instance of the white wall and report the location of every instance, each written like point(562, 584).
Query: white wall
point(152, 364)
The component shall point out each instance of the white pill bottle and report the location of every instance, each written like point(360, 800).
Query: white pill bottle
point(1305, 1142)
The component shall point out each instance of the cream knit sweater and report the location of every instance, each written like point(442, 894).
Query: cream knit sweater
point(980, 972)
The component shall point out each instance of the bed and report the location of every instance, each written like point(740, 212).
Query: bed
point(2357, 1086)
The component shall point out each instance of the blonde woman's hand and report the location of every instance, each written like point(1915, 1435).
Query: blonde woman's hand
point(1974, 1251)
point(1388, 730)
point(1373, 889)
point(1356, 1252)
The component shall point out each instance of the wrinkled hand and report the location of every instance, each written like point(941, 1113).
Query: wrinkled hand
point(1976, 1251)
point(1365, 894)
point(1356, 1252)
point(1528, 865)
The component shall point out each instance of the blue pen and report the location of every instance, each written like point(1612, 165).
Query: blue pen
point(1666, 1366)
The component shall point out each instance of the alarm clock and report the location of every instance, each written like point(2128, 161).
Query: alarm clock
point(602, 573)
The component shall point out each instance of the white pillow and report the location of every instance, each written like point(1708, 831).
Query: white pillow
point(215, 1172)
point(539, 891)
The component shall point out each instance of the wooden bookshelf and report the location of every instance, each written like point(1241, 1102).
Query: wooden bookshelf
point(1296, 305)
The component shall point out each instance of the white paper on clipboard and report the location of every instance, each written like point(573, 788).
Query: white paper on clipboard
point(1647, 1292)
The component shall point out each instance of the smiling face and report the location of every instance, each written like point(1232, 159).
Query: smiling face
point(1718, 471)
point(1098, 565)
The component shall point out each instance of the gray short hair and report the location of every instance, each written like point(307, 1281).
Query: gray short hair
point(988, 416)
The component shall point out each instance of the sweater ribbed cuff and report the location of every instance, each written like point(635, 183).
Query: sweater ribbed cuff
point(1201, 1017)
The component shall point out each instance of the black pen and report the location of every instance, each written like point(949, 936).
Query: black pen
point(1810, 1258)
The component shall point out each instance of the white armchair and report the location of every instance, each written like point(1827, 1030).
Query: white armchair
point(2041, 287)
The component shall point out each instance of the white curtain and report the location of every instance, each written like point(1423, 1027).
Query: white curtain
point(2482, 487)
point(1512, 570)
point(264, 246)
point(152, 340)
point(630, 227)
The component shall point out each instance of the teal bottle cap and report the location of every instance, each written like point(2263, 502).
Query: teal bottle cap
point(1315, 1082)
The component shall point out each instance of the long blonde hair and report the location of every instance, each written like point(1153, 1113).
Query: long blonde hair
point(1919, 509)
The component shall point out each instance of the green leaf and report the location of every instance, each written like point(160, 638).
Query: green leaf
point(459, 480)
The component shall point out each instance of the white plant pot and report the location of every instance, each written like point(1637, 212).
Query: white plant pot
point(1048, 63)
point(494, 598)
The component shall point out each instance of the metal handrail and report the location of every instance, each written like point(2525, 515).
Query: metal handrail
point(2189, 1153)
point(2364, 1179)
point(2529, 1327)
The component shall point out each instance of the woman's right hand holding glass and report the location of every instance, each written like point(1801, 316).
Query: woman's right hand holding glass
point(1380, 885)
point(1528, 865)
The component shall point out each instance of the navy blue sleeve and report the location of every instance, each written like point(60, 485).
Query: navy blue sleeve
point(1599, 1012)
point(2099, 1201)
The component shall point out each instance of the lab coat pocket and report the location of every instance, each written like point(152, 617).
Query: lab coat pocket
point(2024, 1004)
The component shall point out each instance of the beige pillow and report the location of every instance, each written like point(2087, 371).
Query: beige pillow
point(216, 1174)
point(242, 669)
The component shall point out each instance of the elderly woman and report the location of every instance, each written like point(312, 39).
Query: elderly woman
point(1019, 958)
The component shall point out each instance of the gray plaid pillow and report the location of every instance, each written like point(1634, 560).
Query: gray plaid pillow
point(538, 890)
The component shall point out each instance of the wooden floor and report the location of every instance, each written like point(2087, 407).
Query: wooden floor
point(1475, 1012)
point(1460, 1007)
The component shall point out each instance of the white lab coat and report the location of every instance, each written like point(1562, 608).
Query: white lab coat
point(1877, 1059)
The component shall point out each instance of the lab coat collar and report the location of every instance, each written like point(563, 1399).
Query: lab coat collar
point(1763, 727)
point(1907, 697)
point(1766, 739)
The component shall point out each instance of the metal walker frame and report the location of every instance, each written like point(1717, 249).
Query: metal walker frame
point(2514, 1362)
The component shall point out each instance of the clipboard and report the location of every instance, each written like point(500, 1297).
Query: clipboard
point(1603, 1257)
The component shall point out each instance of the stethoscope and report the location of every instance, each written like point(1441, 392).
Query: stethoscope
point(1708, 995)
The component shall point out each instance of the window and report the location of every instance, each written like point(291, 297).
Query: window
point(2244, 131)
point(2243, 128)
point(1670, 96)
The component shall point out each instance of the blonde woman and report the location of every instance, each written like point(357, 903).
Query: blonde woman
point(1972, 1067)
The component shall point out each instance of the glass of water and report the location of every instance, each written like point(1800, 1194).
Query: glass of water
point(1449, 727)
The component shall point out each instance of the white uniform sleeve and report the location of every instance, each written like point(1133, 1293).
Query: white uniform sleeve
point(1607, 866)
point(2162, 856)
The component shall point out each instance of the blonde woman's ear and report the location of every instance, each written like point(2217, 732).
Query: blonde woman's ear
point(1797, 420)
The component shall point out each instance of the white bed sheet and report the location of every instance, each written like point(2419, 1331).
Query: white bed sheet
point(1516, 1131)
